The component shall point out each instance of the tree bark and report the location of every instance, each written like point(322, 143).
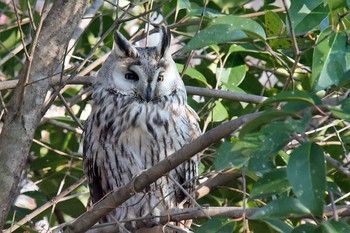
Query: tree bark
point(23, 117)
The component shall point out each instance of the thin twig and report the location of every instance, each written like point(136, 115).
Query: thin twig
point(338, 166)
point(31, 17)
point(47, 205)
point(15, 51)
point(50, 148)
point(4, 28)
point(23, 83)
point(61, 125)
point(21, 33)
point(244, 215)
point(70, 111)
point(186, 193)
point(189, 58)
point(295, 47)
point(334, 208)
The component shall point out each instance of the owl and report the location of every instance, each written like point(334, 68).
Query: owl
point(139, 117)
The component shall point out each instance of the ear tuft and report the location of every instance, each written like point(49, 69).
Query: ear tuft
point(123, 47)
point(164, 42)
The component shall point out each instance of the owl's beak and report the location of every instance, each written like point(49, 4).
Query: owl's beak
point(148, 95)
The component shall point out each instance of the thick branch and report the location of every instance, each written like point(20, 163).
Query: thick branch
point(19, 126)
point(228, 95)
point(117, 197)
point(202, 213)
point(190, 90)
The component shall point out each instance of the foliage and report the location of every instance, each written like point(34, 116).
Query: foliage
point(293, 157)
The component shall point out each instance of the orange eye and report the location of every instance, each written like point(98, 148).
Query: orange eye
point(160, 77)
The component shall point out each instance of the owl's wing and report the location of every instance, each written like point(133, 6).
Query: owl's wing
point(94, 180)
point(92, 170)
point(195, 131)
point(186, 173)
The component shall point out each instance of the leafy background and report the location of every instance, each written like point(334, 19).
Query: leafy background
point(291, 66)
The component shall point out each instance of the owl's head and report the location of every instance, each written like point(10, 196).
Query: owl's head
point(147, 73)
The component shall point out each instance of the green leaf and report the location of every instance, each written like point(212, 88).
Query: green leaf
point(306, 15)
point(336, 4)
point(219, 112)
point(274, 28)
point(244, 48)
point(72, 207)
point(281, 208)
point(215, 34)
point(331, 60)
point(183, 4)
point(333, 226)
point(273, 24)
point(279, 225)
point(342, 112)
point(307, 176)
point(233, 76)
point(249, 26)
point(273, 182)
point(345, 105)
point(261, 159)
point(226, 29)
point(333, 187)
point(208, 12)
point(217, 225)
point(231, 155)
point(304, 228)
point(192, 73)
point(292, 96)
point(263, 118)
point(48, 161)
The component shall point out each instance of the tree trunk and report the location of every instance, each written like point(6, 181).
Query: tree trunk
point(25, 109)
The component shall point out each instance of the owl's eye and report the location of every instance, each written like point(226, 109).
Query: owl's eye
point(131, 76)
point(160, 77)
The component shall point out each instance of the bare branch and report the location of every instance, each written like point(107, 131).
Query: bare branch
point(224, 94)
point(214, 181)
point(337, 165)
point(202, 213)
point(190, 89)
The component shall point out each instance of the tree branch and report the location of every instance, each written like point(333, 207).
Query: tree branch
point(19, 127)
point(143, 180)
point(228, 95)
point(86, 80)
point(215, 181)
point(177, 214)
